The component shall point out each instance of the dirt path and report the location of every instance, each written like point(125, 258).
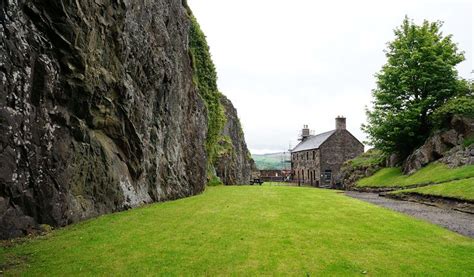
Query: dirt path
point(462, 223)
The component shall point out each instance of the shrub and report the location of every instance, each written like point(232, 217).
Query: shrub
point(463, 106)
point(214, 181)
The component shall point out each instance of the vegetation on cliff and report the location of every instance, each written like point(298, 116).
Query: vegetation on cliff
point(371, 158)
point(247, 231)
point(418, 78)
point(233, 163)
point(362, 166)
point(460, 106)
point(205, 77)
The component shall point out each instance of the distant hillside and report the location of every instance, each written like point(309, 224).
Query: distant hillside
point(272, 161)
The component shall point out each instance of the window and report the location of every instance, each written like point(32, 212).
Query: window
point(307, 155)
point(314, 155)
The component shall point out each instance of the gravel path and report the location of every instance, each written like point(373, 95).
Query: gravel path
point(462, 223)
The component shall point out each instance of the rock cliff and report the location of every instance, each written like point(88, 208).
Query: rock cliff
point(234, 164)
point(98, 110)
point(445, 145)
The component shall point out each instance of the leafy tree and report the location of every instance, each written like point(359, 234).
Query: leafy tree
point(419, 76)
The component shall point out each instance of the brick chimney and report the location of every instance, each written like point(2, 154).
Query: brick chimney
point(340, 123)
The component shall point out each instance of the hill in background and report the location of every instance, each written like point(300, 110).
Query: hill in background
point(272, 161)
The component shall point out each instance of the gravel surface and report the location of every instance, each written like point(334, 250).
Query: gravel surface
point(462, 223)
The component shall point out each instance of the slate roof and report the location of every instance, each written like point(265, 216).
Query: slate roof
point(313, 142)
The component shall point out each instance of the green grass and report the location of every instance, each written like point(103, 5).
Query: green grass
point(431, 174)
point(460, 189)
point(372, 157)
point(251, 231)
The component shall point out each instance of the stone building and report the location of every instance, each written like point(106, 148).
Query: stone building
point(274, 175)
point(317, 159)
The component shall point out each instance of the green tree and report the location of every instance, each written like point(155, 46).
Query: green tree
point(419, 76)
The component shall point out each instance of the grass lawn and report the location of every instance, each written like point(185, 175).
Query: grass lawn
point(249, 230)
point(431, 174)
point(460, 189)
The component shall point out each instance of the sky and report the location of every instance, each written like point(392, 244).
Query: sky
point(284, 64)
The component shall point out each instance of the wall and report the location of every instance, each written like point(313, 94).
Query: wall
point(306, 169)
point(337, 149)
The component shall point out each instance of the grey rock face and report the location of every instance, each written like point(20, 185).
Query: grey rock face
point(234, 164)
point(459, 156)
point(98, 111)
point(445, 144)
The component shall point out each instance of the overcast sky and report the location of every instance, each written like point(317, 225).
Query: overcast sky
point(288, 63)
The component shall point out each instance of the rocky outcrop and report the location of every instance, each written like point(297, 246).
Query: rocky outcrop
point(98, 110)
point(438, 145)
point(350, 175)
point(459, 156)
point(362, 166)
point(234, 164)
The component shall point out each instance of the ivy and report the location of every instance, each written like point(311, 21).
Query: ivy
point(205, 78)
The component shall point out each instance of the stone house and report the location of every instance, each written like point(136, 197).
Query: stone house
point(317, 159)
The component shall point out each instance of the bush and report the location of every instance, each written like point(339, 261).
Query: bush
point(214, 181)
point(463, 106)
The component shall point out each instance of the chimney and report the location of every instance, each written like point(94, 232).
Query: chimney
point(340, 123)
point(304, 133)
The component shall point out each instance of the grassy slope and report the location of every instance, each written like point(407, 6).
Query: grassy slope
point(372, 157)
point(460, 189)
point(250, 231)
point(431, 174)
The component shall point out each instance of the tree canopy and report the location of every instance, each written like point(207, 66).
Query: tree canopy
point(419, 77)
